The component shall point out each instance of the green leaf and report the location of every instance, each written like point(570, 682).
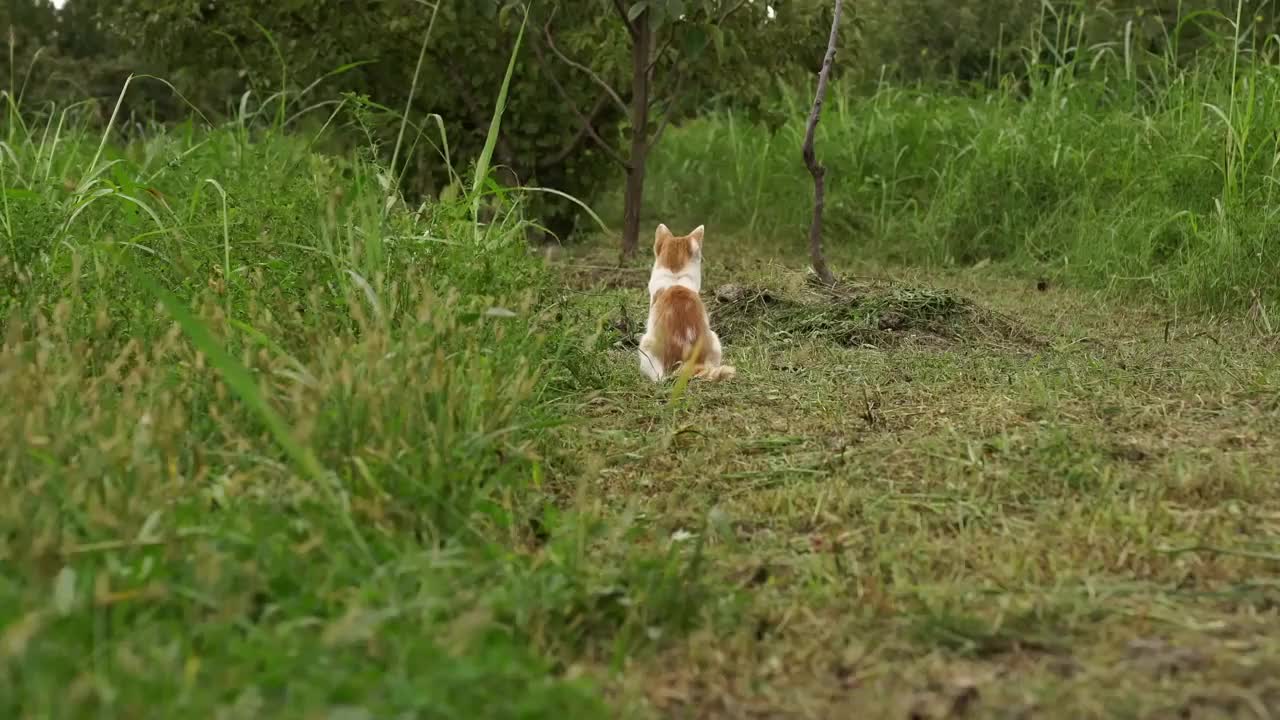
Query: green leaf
point(693, 41)
point(717, 38)
point(20, 194)
point(637, 9)
point(659, 15)
point(495, 126)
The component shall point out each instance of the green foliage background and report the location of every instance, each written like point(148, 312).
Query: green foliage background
point(294, 57)
point(299, 63)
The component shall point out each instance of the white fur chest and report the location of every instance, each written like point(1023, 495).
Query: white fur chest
point(661, 279)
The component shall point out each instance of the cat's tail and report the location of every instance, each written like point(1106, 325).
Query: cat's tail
point(716, 372)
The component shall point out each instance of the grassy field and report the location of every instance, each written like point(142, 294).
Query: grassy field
point(273, 442)
point(951, 494)
point(1155, 186)
point(283, 446)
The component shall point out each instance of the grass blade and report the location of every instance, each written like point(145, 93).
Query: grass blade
point(495, 126)
point(413, 88)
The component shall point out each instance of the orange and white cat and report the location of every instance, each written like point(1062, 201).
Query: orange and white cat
point(678, 331)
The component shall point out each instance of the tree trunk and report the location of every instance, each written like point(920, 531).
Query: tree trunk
point(816, 257)
point(641, 50)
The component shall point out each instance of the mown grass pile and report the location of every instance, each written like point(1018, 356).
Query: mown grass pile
point(277, 445)
point(863, 314)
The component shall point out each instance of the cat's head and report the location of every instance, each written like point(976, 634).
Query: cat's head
point(678, 254)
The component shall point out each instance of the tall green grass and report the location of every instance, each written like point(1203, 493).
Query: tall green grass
point(278, 445)
point(1156, 178)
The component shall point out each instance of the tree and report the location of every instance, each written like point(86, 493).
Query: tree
point(567, 125)
point(215, 52)
point(816, 258)
point(667, 42)
point(26, 25)
point(80, 34)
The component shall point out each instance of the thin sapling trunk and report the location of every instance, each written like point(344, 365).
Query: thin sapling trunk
point(816, 257)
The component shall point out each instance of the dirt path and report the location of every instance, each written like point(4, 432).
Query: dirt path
point(947, 496)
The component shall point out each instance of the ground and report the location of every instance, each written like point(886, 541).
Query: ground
point(971, 494)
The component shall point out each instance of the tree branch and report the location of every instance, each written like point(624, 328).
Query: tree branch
point(622, 13)
point(816, 257)
point(671, 37)
point(583, 133)
point(586, 124)
point(551, 43)
point(666, 116)
point(680, 71)
point(658, 55)
point(741, 4)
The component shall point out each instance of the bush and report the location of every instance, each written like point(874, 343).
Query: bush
point(291, 57)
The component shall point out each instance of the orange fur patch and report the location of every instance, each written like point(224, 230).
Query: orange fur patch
point(681, 321)
point(673, 252)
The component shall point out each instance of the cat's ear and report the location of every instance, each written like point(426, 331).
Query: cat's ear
point(663, 233)
point(696, 237)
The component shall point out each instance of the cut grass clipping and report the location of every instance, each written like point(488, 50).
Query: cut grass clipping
point(870, 314)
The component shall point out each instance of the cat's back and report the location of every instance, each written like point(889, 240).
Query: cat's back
point(681, 320)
